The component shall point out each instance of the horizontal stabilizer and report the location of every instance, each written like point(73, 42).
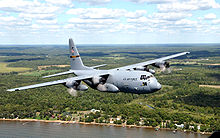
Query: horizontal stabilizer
point(97, 66)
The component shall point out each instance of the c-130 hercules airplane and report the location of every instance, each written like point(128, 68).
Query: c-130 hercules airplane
point(136, 78)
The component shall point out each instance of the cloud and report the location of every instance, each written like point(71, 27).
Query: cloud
point(37, 16)
point(188, 5)
point(47, 21)
point(92, 21)
point(186, 22)
point(210, 16)
point(151, 1)
point(95, 2)
point(172, 16)
point(98, 25)
point(97, 13)
point(7, 19)
point(25, 6)
point(135, 14)
point(217, 21)
point(105, 13)
point(67, 3)
point(102, 19)
point(36, 26)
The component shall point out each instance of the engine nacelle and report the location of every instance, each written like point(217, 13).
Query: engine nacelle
point(71, 83)
point(82, 87)
point(107, 87)
point(140, 68)
point(151, 71)
point(145, 69)
point(161, 64)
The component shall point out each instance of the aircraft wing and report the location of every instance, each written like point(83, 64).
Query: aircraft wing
point(77, 78)
point(146, 63)
point(58, 74)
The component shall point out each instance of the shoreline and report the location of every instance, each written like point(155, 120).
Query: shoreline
point(100, 124)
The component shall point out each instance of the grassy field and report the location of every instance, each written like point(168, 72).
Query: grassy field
point(39, 73)
point(5, 69)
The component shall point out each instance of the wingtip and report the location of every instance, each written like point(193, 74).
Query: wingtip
point(10, 90)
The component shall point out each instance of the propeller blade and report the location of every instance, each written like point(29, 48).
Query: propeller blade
point(169, 70)
point(96, 80)
point(72, 92)
point(101, 87)
point(163, 68)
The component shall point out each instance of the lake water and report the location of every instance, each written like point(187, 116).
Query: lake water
point(56, 130)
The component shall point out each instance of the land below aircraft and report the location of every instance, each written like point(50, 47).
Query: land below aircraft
point(137, 78)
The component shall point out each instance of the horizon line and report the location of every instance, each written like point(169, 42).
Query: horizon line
point(115, 44)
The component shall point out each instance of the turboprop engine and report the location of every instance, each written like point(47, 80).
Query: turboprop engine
point(107, 87)
point(73, 86)
point(145, 69)
point(100, 84)
point(163, 65)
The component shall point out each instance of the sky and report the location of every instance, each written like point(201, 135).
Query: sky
point(109, 21)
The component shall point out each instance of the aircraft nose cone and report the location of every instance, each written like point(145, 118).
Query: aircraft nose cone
point(158, 86)
point(155, 86)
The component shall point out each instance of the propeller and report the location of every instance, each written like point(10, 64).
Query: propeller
point(163, 65)
point(96, 80)
point(167, 67)
point(72, 92)
point(71, 89)
point(169, 70)
point(101, 88)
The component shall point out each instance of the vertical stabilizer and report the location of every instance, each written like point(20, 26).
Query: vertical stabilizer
point(75, 60)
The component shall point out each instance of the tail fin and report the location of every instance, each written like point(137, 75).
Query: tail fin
point(75, 60)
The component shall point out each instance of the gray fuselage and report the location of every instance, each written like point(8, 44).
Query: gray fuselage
point(139, 82)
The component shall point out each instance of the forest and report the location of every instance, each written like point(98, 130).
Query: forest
point(182, 99)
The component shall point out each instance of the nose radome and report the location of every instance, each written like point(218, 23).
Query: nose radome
point(155, 86)
point(158, 86)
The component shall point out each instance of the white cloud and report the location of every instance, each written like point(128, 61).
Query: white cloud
point(37, 16)
point(47, 21)
point(217, 21)
point(152, 1)
point(50, 17)
point(13, 6)
point(25, 6)
point(95, 2)
point(36, 26)
point(210, 16)
point(172, 16)
point(186, 22)
point(139, 20)
point(1, 34)
point(97, 13)
point(67, 3)
point(105, 13)
point(7, 19)
point(92, 21)
point(136, 14)
point(188, 5)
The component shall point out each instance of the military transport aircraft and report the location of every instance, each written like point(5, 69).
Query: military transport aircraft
point(136, 78)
